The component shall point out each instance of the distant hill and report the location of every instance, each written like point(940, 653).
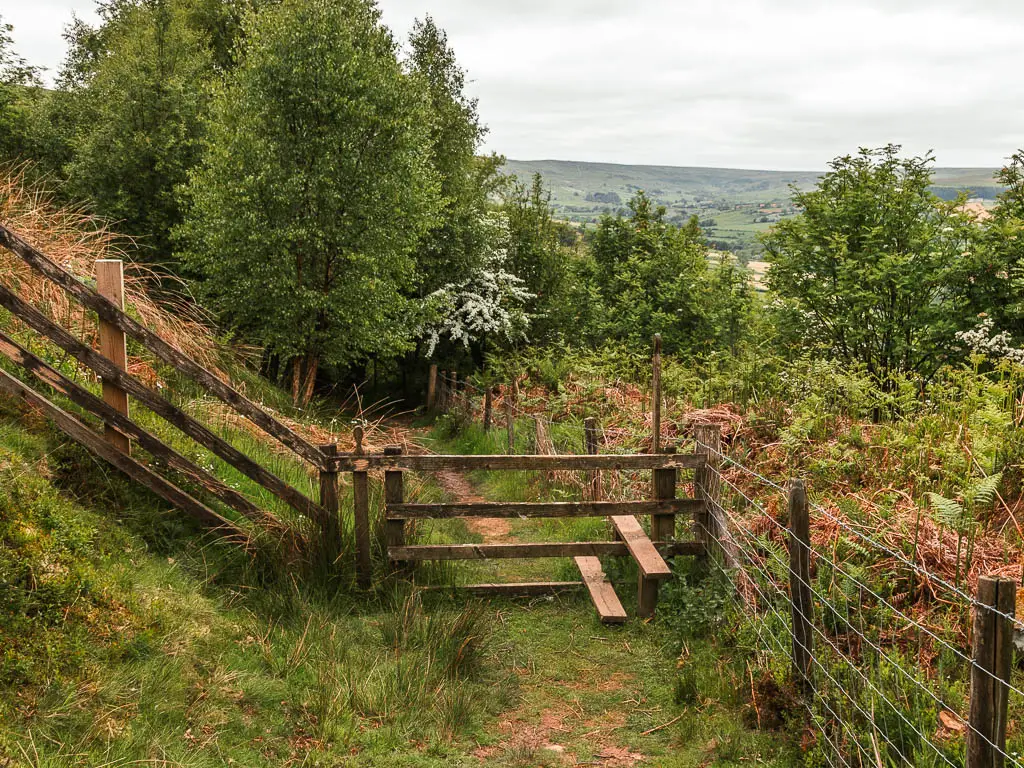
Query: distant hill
point(733, 204)
point(571, 183)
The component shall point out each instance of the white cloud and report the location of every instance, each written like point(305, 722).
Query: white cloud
point(747, 83)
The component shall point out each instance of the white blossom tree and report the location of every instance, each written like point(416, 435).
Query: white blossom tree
point(490, 303)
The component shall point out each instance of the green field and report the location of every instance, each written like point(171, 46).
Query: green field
point(583, 191)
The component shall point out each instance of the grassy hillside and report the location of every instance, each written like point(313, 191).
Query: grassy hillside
point(731, 202)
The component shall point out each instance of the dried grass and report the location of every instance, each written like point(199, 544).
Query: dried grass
point(76, 240)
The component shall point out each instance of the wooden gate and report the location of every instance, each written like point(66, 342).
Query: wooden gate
point(649, 551)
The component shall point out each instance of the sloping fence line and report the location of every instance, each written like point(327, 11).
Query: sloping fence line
point(880, 683)
point(881, 686)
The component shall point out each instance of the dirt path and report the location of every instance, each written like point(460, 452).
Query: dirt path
point(490, 529)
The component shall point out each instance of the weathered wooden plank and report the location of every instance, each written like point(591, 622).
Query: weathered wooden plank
point(513, 589)
point(113, 345)
point(438, 463)
point(544, 509)
point(421, 552)
point(361, 519)
point(110, 313)
point(651, 564)
point(105, 450)
point(159, 405)
point(609, 607)
point(85, 399)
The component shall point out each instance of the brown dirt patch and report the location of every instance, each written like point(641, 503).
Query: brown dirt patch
point(490, 529)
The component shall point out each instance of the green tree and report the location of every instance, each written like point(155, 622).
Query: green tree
point(315, 187)
point(535, 252)
point(867, 268)
point(137, 92)
point(18, 83)
point(457, 245)
point(651, 276)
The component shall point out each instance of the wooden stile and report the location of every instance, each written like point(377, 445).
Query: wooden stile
point(361, 516)
point(503, 461)
point(420, 552)
point(113, 345)
point(663, 526)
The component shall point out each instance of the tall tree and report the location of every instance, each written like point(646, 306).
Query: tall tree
point(535, 251)
point(18, 81)
point(315, 187)
point(138, 86)
point(651, 275)
point(457, 245)
point(868, 266)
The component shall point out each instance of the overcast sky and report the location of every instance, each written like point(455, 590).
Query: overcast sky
point(737, 83)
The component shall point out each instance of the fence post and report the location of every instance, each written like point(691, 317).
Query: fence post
point(656, 395)
point(361, 516)
point(510, 424)
point(990, 672)
point(488, 405)
point(329, 500)
point(802, 608)
point(708, 488)
point(432, 388)
point(663, 527)
point(113, 345)
point(394, 493)
point(590, 446)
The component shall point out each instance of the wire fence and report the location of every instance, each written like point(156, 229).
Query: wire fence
point(891, 650)
point(891, 669)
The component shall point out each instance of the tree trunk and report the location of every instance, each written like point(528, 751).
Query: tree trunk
point(312, 364)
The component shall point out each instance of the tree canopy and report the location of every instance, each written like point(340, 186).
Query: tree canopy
point(315, 187)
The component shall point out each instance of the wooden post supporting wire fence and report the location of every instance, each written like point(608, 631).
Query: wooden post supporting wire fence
point(802, 608)
point(488, 405)
point(330, 501)
point(590, 446)
point(656, 395)
point(432, 388)
point(990, 672)
point(663, 527)
point(361, 516)
point(113, 344)
point(394, 493)
point(708, 520)
point(510, 423)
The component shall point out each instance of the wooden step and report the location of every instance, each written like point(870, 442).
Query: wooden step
point(652, 565)
point(609, 608)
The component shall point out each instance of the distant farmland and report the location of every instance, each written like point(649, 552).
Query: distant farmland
point(733, 204)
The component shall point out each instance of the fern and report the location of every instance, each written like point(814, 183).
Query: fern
point(947, 513)
point(984, 491)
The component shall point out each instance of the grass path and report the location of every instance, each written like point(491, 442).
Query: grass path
point(590, 694)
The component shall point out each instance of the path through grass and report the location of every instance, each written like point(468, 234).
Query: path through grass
point(590, 694)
